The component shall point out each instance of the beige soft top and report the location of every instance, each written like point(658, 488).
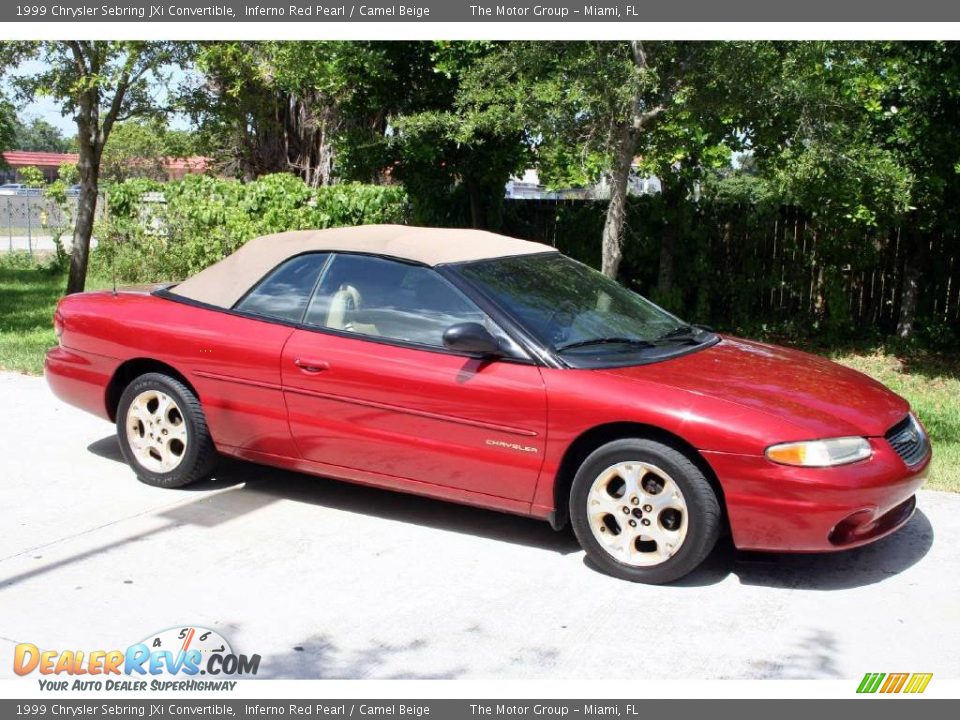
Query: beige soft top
point(225, 282)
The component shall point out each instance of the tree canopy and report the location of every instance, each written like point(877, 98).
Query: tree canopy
point(8, 126)
point(39, 135)
point(142, 148)
point(860, 135)
point(99, 83)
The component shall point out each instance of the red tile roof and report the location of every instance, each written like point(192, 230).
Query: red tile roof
point(47, 159)
point(22, 158)
point(197, 163)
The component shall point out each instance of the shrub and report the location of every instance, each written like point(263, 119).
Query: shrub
point(167, 231)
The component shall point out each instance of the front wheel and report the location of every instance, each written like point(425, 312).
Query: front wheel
point(643, 511)
point(163, 432)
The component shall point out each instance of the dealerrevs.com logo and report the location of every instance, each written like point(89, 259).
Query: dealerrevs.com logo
point(168, 660)
point(887, 683)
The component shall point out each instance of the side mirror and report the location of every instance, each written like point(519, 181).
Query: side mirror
point(471, 338)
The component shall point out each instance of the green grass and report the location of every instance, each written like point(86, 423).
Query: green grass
point(28, 295)
point(930, 381)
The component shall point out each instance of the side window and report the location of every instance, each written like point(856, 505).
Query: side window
point(395, 300)
point(285, 292)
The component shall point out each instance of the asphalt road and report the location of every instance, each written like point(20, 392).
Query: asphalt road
point(328, 580)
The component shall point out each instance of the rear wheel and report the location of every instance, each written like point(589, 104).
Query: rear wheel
point(163, 432)
point(643, 511)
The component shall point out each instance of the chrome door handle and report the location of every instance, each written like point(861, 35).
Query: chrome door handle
point(311, 366)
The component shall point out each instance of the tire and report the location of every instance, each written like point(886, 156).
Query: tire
point(664, 494)
point(163, 433)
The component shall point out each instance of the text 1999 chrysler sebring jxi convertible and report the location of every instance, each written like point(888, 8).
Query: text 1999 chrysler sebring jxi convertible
point(486, 370)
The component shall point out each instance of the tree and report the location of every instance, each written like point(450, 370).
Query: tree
point(32, 177)
point(916, 117)
point(267, 107)
point(236, 109)
point(317, 109)
point(649, 92)
point(38, 135)
point(456, 131)
point(347, 97)
point(369, 111)
point(99, 83)
point(605, 108)
point(863, 136)
point(142, 148)
point(813, 129)
point(7, 127)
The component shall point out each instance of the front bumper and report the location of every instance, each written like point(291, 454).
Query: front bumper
point(791, 509)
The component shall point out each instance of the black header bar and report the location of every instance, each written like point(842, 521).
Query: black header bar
point(616, 11)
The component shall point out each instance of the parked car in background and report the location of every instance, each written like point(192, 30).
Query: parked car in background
point(20, 189)
point(497, 372)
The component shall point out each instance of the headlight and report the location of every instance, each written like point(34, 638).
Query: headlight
point(821, 453)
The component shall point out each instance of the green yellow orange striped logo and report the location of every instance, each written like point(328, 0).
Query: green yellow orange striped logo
point(894, 683)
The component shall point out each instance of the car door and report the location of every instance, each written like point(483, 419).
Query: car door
point(235, 357)
point(369, 385)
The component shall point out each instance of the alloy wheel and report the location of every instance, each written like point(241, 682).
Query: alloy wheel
point(156, 431)
point(637, 513)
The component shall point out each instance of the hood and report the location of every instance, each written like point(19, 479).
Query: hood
point(819, 397)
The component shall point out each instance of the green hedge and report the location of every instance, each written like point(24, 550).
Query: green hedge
point(742, 261)
point(167, 231)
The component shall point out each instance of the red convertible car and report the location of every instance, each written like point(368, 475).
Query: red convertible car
point(497, 372)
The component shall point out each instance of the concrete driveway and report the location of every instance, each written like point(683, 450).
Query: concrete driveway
point(328, 580)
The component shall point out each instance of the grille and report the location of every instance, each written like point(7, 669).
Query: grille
point(909, 440)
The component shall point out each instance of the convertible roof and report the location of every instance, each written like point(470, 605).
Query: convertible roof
point(225, 282)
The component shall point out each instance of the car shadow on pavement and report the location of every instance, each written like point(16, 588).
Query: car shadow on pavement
point(319, 658)
point(266, 482)
point(109, 449)
point(816, 571)
point(841, 570)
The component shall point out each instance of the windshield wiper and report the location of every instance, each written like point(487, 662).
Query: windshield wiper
point(681, 333)
point(634, 342)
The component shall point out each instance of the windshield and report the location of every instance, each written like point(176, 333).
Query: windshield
point(579, 313)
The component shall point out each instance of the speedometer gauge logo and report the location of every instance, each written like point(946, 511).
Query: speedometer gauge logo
point(184, 639)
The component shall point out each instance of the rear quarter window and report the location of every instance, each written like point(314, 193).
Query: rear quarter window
point(284, 293)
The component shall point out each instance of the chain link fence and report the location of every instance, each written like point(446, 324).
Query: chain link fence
point(29, 222)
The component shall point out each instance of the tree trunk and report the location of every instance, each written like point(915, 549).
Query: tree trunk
point(612, 243)
point(88, 167)
point(912, 272)
point(625, 138)
point(475, 195)
point(665, 271)
point(673, 193)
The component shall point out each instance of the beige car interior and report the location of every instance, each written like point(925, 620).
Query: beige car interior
point(346, 301)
